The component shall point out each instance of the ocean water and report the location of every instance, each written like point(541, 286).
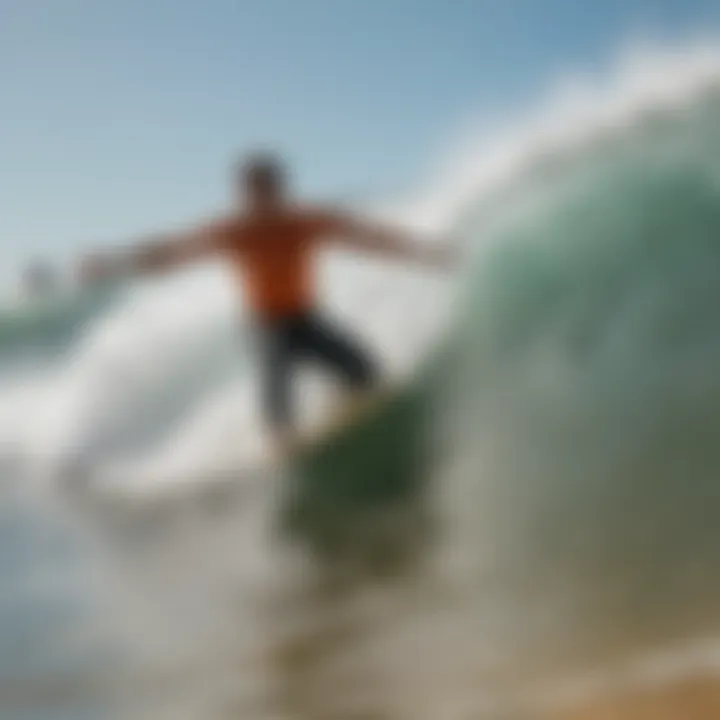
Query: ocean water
point(533, 519)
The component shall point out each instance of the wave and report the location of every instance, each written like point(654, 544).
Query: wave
point(571, 413)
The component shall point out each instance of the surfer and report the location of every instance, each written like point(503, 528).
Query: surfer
point(270, 242)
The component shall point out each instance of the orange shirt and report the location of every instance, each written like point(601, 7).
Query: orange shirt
point(274, 258)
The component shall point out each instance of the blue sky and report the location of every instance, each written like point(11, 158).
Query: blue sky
point(120, 117)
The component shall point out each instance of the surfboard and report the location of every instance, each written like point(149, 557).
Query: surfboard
point(368, 456)
point(349, 412)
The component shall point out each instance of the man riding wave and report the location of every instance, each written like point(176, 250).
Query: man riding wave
point(271, 243)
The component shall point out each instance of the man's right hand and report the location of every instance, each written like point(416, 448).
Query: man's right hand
point(153, 255)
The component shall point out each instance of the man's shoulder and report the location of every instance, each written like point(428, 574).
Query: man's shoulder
point(225, 227)
point(313, 218)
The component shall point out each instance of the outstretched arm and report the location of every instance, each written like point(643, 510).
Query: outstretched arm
point(370, 237)
point(153, 255)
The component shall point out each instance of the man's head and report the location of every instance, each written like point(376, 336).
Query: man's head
point(262, 181)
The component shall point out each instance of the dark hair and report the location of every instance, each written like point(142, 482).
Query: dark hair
point(262, 169)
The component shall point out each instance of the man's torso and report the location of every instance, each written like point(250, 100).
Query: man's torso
point(274, 258)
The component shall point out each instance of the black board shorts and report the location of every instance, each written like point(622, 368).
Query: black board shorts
point(286, 342)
